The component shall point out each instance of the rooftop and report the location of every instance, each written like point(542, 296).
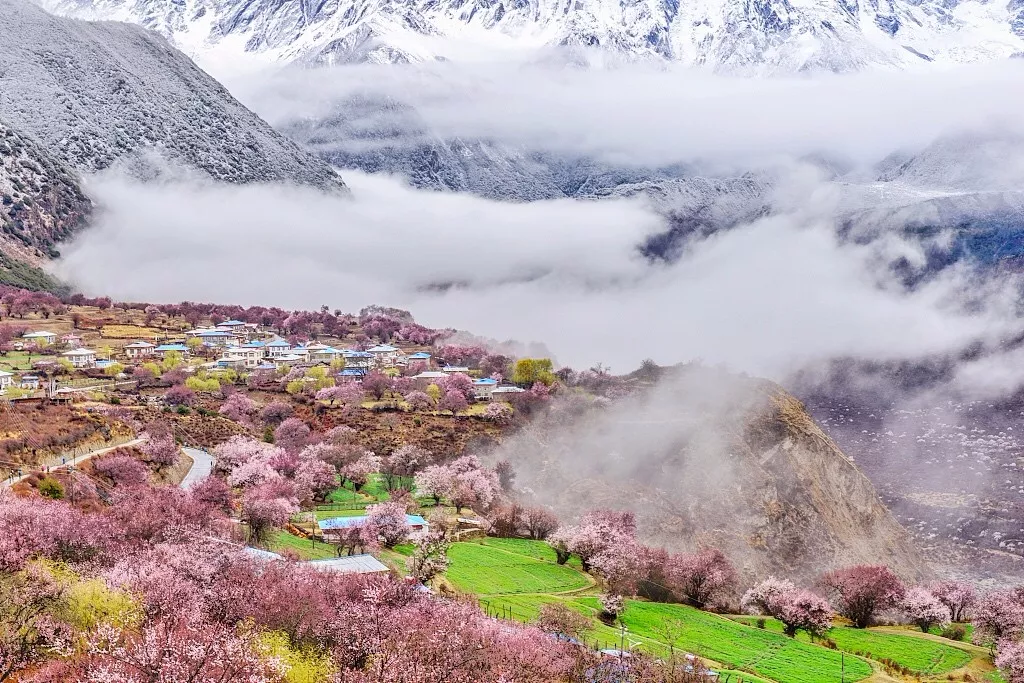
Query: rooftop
point(279, 343)
point(35, 335)
point(345, 522)
point(509, 390)
point(351, 564)
point(172, 347)
point(485, 380)
point(455, 368)
point(138, 345)
point(382, 348)
point(419, 355)
point(79, 352)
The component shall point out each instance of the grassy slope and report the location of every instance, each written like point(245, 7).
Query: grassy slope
point(306, 550)
point(920, 655)
point(487, 570)
point(515, 577)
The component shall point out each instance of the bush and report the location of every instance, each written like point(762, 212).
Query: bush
point(954, 632)
point(51, 488)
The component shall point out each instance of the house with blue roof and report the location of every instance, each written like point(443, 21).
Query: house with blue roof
point(385, 355)
point(357, 359)
point(164, 349)
point(330, 527)
point(278, 347)
point(352, 374)
point(483, 387)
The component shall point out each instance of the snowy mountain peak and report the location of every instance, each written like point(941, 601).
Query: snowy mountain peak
point(745, 36)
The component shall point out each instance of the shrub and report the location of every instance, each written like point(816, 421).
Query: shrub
point(954, 632)
point(51, 488)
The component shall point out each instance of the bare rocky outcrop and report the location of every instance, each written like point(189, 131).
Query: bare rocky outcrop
point(706, 457)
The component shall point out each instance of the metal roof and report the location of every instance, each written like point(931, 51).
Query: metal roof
point(351, 564)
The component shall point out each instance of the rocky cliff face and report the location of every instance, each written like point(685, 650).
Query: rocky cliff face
point(41, 202)
point(706, 457)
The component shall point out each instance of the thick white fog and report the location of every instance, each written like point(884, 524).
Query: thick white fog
point(765, 297)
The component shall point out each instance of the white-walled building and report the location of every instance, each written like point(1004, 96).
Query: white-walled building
point(81, 358)
point(139, 349)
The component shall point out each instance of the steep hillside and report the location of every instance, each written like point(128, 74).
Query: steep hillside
point(40, 200)
point(769, 36)
point(96, 94)
point(710, 457)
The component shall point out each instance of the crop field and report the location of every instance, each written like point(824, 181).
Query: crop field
point(768, 654)
point(920, 655)
point(486, 570)
point(129, 332)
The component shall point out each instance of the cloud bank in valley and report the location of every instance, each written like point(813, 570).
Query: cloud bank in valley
point(645, 115)
point(765, 297)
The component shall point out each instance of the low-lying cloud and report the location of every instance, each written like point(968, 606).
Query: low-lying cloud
point(641, 114)
point(765, 297)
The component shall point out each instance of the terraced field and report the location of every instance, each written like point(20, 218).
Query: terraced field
point(920, 655)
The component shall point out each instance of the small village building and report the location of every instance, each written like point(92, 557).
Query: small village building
point(288, 360)
point(352, 374)
point(483, 387)
point(452, 369)
point(230, 326)
point(323, 354)
point(139, 349)
point(40, 338)
point(505, 393)
point(250, 355)
point(6, 380)
point(164, 349)
point(357, 359)
point(29, 382)
point(81, 358)
point(278, 347)
point(216, 337)
point(418, 357)
point(385, 355)
point(350, 564)
point(73, 341)
point(425, 379)
point(329, 527)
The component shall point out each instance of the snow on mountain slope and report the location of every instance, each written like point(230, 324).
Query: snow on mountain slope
point(96, 94)
point(40, 199)
point(746, 36)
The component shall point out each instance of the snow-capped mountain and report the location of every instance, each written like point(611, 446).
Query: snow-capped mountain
point(98, 94)
point(746, 36)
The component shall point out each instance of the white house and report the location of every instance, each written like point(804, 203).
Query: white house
point(505, 393)
point(81, 358)
point(139, 349)
point(385, 355)
point(6, 380)
point(483, 388)
point(320, 353)
point(357, 359)
point(216, 337)
point(452, 369)
point(278, 347)
point(30, 382)
point(40, 338)
point(250, 355)
point(418, 357)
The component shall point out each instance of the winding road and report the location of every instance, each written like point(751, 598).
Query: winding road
point(202, 466)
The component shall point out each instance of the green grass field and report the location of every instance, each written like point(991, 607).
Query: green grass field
point(306, 550)
point(920, 655)
point(488, 569)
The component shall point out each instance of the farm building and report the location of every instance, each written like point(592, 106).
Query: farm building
point(483, 387)
point(505, 393)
